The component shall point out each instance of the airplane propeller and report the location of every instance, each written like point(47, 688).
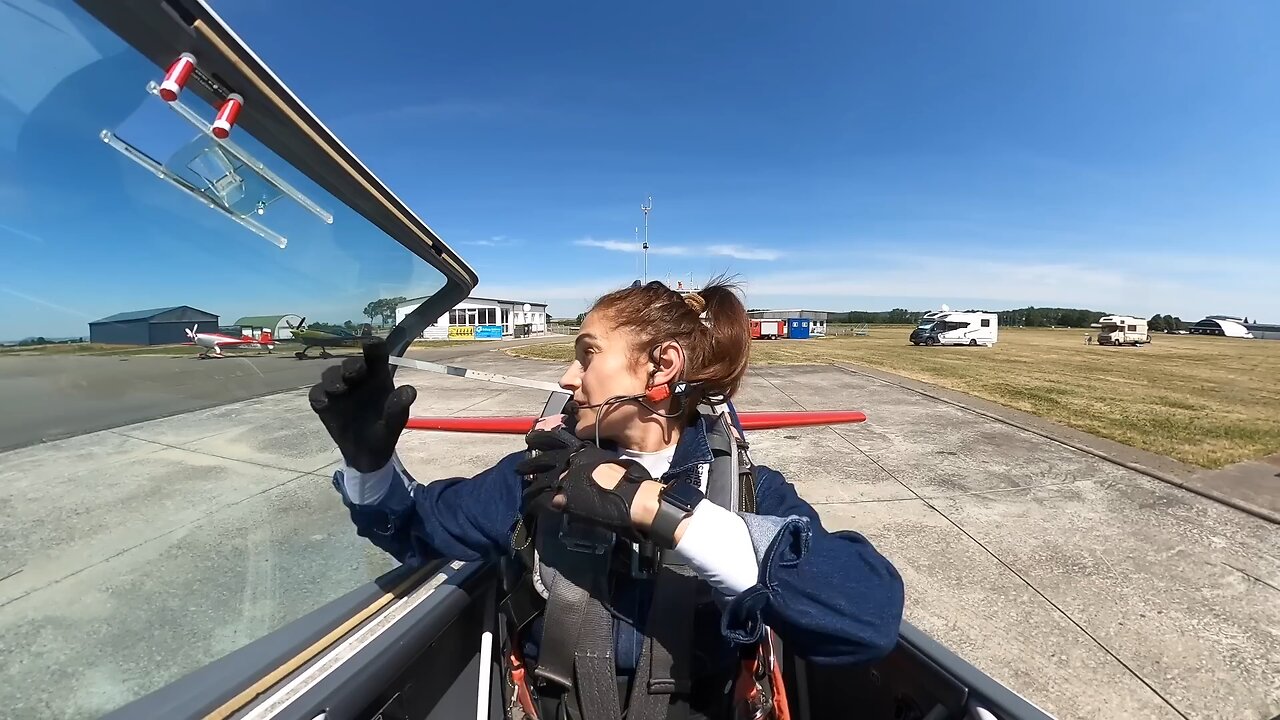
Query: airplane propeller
point(191, 331)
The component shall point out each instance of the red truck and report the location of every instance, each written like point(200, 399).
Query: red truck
point(768, 329)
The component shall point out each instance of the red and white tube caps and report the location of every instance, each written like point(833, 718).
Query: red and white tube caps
point(227, 115)
point(176, 78)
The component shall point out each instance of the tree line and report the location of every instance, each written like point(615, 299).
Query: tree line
point(384, 308)
point(1165, 323)
point(1021, 317)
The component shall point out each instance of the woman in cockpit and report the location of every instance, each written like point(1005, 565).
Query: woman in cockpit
point(665, 563)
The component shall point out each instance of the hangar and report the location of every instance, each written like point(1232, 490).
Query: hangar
point(281, 326)
point(497, 317)
point(157, 326)
point(1235, 327)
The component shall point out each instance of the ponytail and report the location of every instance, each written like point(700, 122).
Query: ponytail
point(722, 346)
point(711, 325)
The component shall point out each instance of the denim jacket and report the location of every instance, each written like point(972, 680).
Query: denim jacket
point(830, 596)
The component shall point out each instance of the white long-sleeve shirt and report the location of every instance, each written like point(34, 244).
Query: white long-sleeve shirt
point(715, 542)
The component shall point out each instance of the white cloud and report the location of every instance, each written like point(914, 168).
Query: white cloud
point(22, 233)
point(743, 253)
point(734, 251)
point(631, 247)
point(495, 241)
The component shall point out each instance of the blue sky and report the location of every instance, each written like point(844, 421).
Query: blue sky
point(1118, 156)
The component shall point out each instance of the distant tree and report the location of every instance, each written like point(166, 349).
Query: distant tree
point(388, 310)
point(371, 310)
point(1156, 323)
point(1177, 323)
point(349, 325)
point(383, 307)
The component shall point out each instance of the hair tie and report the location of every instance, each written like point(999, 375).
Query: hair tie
point(695, 301)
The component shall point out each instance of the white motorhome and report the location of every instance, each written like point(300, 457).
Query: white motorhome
point(956, 328)
point(1122, 330)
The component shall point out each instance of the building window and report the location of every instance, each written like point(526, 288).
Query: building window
point(986, 322)
point(506, 317)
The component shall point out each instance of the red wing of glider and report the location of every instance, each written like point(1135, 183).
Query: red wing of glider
point(519, 425)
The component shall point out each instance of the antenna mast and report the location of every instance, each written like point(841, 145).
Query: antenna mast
point(646, 207)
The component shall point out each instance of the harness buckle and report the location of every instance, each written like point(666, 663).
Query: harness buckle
point(646, 560)
point(585, 538)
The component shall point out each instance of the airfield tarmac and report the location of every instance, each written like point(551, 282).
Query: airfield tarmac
point(63, 396)
point(140, 552)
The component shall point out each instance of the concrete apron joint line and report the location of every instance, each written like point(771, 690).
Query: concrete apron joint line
point(1242, 506)
point(990, 552)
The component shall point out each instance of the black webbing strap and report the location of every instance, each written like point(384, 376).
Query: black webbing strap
point(566, 606)
point(722, 461)
point(594, 665)
point(577, 641)
point(664, 675)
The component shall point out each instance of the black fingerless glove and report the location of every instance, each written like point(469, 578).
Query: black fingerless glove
point(587, 500)
point(561, 478)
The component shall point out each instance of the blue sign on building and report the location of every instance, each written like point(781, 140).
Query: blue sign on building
point(488, 332)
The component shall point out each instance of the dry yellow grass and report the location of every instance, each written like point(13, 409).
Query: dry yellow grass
point(1204, 401)
point(98, 349)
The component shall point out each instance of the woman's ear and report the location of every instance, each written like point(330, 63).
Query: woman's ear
point(666, 364)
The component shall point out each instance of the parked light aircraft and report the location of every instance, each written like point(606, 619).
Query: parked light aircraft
point(216, 341)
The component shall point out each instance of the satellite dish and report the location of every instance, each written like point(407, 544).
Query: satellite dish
point(944, 307)
point(526, 307)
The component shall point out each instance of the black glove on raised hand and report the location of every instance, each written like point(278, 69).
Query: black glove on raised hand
point(362, 409)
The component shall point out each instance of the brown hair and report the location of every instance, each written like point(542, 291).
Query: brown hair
point(716, 351)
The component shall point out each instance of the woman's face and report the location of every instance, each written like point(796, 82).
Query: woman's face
point(605, 366)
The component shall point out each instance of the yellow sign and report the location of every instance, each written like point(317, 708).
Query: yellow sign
point(459, 331)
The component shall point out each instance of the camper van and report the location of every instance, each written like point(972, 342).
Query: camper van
point(956, 328)
point(1123, 330)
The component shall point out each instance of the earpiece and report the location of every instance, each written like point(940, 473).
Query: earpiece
point(658, 393)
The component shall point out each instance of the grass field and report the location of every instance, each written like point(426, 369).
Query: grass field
point(1204, 401)
point(99, 349)
point(183, 350)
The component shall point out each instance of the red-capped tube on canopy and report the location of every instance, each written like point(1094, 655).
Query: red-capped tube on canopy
point(519, 425)
point(227, 115)
point(176, 78)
